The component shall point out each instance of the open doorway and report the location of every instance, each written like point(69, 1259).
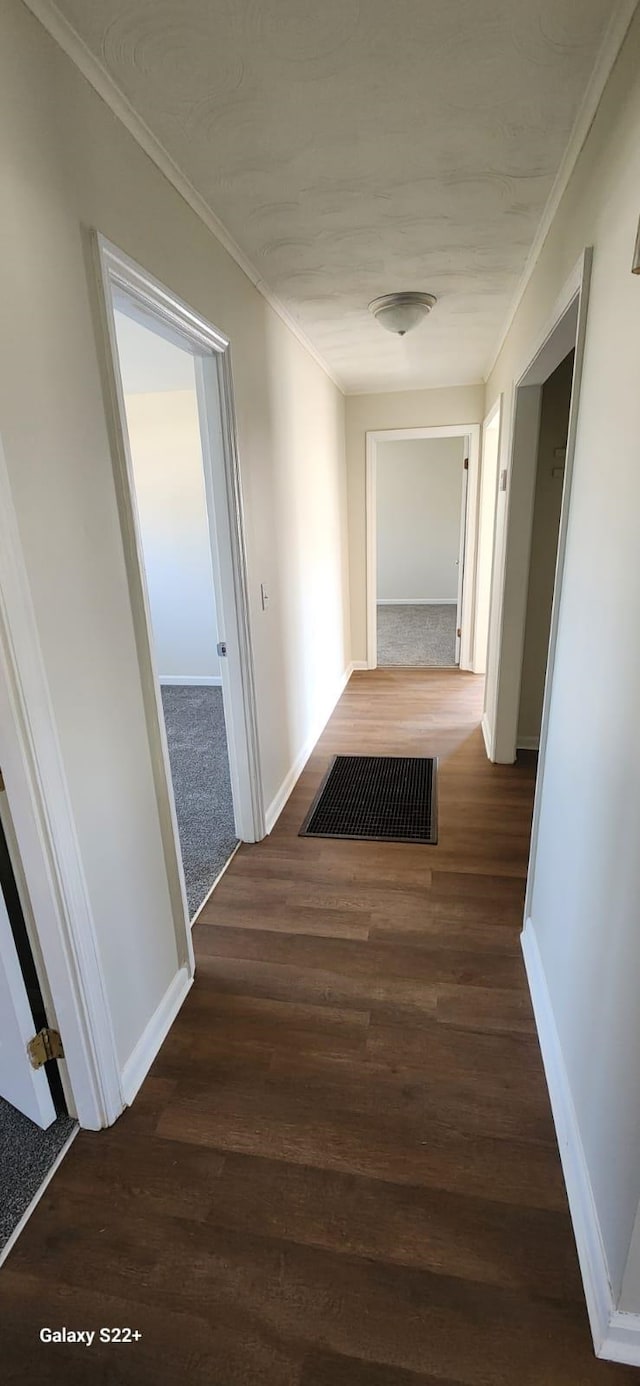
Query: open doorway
point(552, 450)
point(159, 386)
point(421, 491)
point(530, 531)
point(179, 492)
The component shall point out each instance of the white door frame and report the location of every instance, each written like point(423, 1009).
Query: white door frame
point(565, 330)
point(480, 662)
point(45, 836)
point(462, 548)
point(120, 275)
point(468, 540)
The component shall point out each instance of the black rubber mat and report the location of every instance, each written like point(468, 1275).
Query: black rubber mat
point(376, 799)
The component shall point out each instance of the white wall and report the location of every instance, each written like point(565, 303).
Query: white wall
point(166, 453)
point(167, 465)
point(462, 404)
point(554, 424)
point(584, 903)
point(150, 361)
point(69, 165)
point(418, 500)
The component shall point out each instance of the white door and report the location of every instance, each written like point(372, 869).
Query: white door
point(24, 1087)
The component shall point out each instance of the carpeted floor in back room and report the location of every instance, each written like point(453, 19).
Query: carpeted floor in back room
point(26, 1156)
point(197, 737)
point(422, 636)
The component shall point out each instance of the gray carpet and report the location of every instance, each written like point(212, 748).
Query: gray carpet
point(26, 1156)
point(197, 737)
point(419, 635)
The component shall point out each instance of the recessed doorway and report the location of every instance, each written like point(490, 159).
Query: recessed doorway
point(179, 490)
point(161, 403)
point(421, 498)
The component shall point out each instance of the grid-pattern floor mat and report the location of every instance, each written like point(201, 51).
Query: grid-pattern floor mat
point(376, 798)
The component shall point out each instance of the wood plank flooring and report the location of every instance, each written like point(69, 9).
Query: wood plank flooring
point(342, 1169)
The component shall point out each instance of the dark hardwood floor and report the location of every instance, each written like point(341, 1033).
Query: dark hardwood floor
point(342, 1168)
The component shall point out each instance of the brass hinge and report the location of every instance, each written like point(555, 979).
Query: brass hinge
point(466, 463)
point(459, 632)
point(44, 1046)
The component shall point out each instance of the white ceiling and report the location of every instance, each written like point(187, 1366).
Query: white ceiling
point(354, 147)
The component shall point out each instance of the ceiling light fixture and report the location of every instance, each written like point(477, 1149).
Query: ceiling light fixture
point(401, 312)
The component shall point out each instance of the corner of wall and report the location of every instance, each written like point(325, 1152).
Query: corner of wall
point(616, 1334)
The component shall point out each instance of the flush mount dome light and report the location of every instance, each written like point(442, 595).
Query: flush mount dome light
point(400, 312)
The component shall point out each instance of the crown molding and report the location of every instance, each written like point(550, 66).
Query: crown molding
point(478, 384)
point(59, 28)
point(611, 45)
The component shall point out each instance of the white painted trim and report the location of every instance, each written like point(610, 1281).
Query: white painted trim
point(215, 883)
point(190, 680)
point(289, 782)
point(291, 778)
point(102, 82)
point(225, 511)
point(358, 664)
point(528, 743)
point(471, 431)
point(462, 598)
point(487, 735)
point(417, 601)
point(401, 435)
point(45, 832)
point(621, 1342)
point(20, 1226)
point(612, 43)
point(497, 408)
point(154, 1034)
point(616, 1335)
point(371, 546)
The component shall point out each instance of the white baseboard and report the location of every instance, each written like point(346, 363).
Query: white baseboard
point(528, 743)
point(20, 1226)
point(279, 800)
point(359, 664)
point(616, 1336)
point(417, 601)
point(622, 1340)
point(192, 680)
point(486, 735)
point(139, 1062)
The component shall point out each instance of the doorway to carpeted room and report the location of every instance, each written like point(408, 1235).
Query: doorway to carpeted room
point(199, 759)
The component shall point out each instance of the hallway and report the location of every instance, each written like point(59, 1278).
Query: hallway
point(342, 1169)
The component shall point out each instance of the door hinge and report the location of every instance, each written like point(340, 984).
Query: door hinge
point(459, 632)
point(466, 463)
point(221, 647)
point(44, 1046)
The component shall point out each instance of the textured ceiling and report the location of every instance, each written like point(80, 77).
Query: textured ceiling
point(354, 147)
